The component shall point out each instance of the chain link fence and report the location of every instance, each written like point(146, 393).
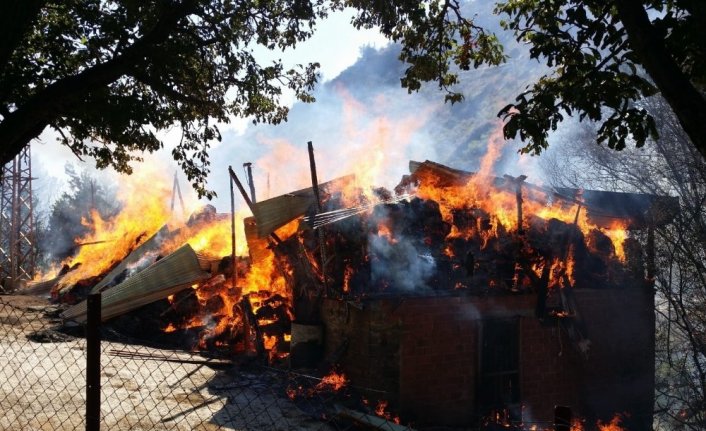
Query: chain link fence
point(145, 387)
point(42, 370)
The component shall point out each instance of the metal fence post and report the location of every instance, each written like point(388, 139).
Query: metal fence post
point(93, 362)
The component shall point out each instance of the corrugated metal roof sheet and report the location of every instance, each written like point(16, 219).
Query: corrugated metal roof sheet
point(271, 214)
point(165, 277)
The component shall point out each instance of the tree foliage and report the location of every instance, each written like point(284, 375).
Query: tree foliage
point(604, 57)
point(109, 74)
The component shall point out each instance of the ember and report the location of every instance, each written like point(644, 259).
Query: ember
point(333, 381)
point(381, 410)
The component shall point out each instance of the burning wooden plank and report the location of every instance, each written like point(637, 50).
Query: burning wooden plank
point(178, 271)
point(257, 246)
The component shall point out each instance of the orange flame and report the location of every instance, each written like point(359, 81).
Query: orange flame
point(500, 205)
point(385, 232)
point(613, 425)
point(381, 410)
point(347, 274)
point(109, 241)
point(333, 381)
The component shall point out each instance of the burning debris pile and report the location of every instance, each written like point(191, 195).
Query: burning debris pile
point(459, 233)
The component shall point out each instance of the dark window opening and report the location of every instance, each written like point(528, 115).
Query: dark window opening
point(499, 383)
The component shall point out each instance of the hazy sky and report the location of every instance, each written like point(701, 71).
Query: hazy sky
point(335, 45)
point(383, 129)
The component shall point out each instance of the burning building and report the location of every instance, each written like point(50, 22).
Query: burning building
point(482, 297)
point(459, 298)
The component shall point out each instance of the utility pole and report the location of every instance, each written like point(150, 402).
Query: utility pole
point(176, 191)
point(18, 250)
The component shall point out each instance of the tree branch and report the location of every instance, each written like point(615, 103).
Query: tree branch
point(686, 101)
point(58, 99)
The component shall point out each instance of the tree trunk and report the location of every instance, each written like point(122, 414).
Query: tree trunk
point(685, 100)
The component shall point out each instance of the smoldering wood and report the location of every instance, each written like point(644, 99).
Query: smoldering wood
point(502, 260)
point(304, 282)
point(175, 305)
point(251, 324)
point(518, 198)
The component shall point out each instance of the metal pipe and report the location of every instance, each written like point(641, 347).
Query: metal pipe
point(93, 362)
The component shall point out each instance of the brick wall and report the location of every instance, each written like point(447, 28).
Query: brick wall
point(371, 358)
point(424, 353)
point(619, 373)
point(438, 360)
point(548, 365)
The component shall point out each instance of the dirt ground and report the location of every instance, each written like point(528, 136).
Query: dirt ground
point(42, 383)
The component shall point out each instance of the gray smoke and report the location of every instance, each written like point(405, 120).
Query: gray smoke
point(399, 264)
point(366, 104)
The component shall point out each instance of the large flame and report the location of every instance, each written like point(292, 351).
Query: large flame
point(109, 241)
point(501, 206)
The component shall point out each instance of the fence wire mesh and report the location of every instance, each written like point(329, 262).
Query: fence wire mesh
point(42, 370)
point(144, 387)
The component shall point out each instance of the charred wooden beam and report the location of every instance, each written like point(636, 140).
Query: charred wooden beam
point(250, 180)
point(518, 197)
point(315, 187)
point(247, 198)
point(232, 236)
